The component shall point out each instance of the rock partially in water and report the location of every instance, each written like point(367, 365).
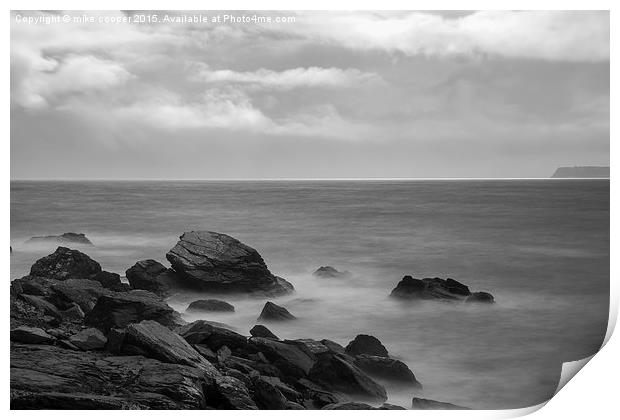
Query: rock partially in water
point(410, 288)
point(480, 297)
point(64, 264)
point(31, 335)
point(210, 305)
point(65, 238)
point(387, 368)
point(273, 312)
point(152, 276)
point(262, 331)
point(217, 262)
point(366, 344)
point(330, 272)
point(89, 339)
point(424, 404)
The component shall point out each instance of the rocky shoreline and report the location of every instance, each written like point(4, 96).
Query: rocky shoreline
point(83, 339)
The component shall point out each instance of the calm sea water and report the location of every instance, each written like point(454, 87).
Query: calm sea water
point(541, 247)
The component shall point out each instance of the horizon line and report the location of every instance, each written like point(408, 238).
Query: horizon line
point(309, 179)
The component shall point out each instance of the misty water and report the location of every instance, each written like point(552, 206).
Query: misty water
point(541, 247)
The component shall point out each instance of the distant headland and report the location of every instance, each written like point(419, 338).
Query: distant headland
point(581, 172)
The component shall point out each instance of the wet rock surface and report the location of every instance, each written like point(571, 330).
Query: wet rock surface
point(273, 312)
point(210, 305)
point(152, 276)
point(435, 288)
point(65, 263)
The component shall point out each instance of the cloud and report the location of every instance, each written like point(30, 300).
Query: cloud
point(290, 79)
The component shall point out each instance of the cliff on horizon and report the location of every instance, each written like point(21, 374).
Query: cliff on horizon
point(581, 172)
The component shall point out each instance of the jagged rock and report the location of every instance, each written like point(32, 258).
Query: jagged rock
point(336, 373)
point(424, 404)
point(366, 344)
point(43, 305)
point(45, 377)
point(152, 276)
point(273, 312)
point(316, 347)
point(82, 292)
point(111, 281)
point(64, 264)
point(214, 337)
point(290, 359)
point(65, 238)
point(333, 346)
point(31, 335)
point(210, 305)
point(216, 262)
point(121, 309)
point(162, 344)
point(315, 396)
point(386, 368)
point(289, 393)
point(232, 394)
point(267, 396)
point(480, 297)
point(262, 331)
point(330, 272)
point(89, 339)
point(74, 313)
point(430, 289)
point(205, 352)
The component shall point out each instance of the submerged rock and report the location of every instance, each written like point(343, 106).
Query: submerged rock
point(152, 276)
point(366, 344)
point(210, 305)
point(424, 404)
point(480, 297)
point(262, 331)
point(65, 238)
point(273, 312)
point(64, 264)
point(217, 262)
point(330, 272)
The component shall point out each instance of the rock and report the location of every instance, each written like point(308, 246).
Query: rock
point(424, 404)
point(366, 344)
point(116, 338)
point(273, 312)
point(214, 337)
point(89, 339)
point(430, 289)
point(162, 344)
point(31, 335)
point(262, 331)
point(111, 281)
point(82, 292)
point(349, 406)
point(74, 313)
point(480, 297)
point(216, 262)
point(386, 406)
point(64, 264)
point(222, 354)
point(386, 368)
point(121, 309)
point(232, 394)
point(330, 272)
point(210, 305)
point(315, 397)
point(152, 276)
point(334, 372)
point(24, 314)
point(333, 346)
point(268, 396)
point(65, 238)
point(289, 393)
point(32, 285)
point(290, 359)
point(316, 347)
point(51, 377)
point(46, 307)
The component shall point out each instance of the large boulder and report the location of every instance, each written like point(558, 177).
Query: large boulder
point(210, 305)
point(46, 377)
point(424, 404)
point(118, 310)
point(262, 331)
point(217, 262)
point(268, 396)
point(213, 336)
point(335, 372)
point(152, 276)
point(366, 344)
point(89, 339)
point(232, 394)
point(64, 264)
point(111, 281)
point(291, 359)
point(387, 368)
point(162, 344)
point(83, 292)
point(65, 238)
point(273, 312)
point(435, 288)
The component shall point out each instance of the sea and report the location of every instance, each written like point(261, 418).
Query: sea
point(541, 247)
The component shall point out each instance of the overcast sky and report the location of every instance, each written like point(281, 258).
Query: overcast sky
point(336, 94)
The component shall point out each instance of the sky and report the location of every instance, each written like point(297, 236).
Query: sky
point(319, 95)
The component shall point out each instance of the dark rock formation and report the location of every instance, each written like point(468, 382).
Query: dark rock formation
point(330, 272)
point(66, 238)
point(268, 396)
point(366, 344)
point(291, 359)
point(273, 312)
point(480, 297)
point(424, 404)
point(335, 372)
point(152, 276)
point(210, 305)
point(410, 288)
point(111, 281)
point(316, 348)
point(262, 331)
point(333, 346)
point(31, 335)
point(83, 292)
point(64, 264)
point(216, 262)
point(232, 394)
point(387, 369)
point(212, 336)
point(121, 309)
point(89, 339)
point(43, 305)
